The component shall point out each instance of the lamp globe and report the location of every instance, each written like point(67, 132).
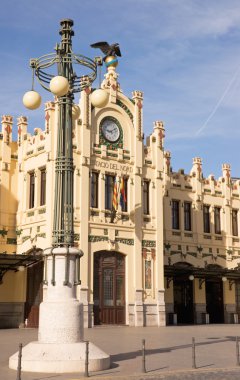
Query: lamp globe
point(59, 85)
point(75, 112)
point(99, 98)
point(32, 100)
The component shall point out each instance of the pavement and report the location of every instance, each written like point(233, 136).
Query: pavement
point(168, 352)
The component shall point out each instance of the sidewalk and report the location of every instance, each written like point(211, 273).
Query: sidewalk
point(168, 352)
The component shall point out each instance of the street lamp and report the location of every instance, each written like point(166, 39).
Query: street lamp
point(61, 315)
point(64, 85)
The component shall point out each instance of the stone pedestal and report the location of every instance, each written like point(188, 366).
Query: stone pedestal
point(60, 347)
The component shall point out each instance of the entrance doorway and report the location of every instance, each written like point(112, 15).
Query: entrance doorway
point(34, 293)
point(214, 301)
point(183, 300)
point(109, 288)
point(237, 293)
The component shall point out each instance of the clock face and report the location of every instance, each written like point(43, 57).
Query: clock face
point(110, 130)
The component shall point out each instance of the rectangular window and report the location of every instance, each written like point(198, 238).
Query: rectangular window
point(217, 220)
point(94, 189)
point(187, 216)
point(175, 215)
point(235, 222)
point(109, 185)
point(206, 219)
point(31, 189)
point(43, 187)
point(146, 197)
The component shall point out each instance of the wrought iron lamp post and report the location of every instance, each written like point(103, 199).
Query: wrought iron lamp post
point(64, 85)
point(60, 346)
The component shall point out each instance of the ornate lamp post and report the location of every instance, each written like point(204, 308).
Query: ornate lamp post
point(60, 346)
point(64, 85)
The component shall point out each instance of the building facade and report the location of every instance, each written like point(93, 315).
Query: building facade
point(169, 254)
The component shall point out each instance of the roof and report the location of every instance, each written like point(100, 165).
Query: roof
point(14, 261)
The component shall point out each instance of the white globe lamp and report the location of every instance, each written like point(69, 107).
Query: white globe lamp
point(32, 100)
point(75, 112)
point(59, 85)
point(99, 98)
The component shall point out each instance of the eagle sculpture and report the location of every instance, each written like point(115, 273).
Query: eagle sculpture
point(107, 49)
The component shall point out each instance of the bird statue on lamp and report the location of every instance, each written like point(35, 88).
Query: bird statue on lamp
point(111, 52)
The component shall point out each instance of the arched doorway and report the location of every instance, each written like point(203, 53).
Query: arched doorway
point(183, 294)
point(109, 288)
point(34, 293)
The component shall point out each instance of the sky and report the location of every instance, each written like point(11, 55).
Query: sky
point(184, 56)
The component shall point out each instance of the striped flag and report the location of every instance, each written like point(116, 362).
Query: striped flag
point(123, 198)
point(115, 196)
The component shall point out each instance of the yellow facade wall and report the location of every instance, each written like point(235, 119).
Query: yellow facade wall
point(13, 288)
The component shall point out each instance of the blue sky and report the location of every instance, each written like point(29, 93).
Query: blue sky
point(184, 55)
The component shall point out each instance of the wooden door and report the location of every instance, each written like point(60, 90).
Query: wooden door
point(34, 294)
point(214, 301)
point(109, 288)
point(183, 301)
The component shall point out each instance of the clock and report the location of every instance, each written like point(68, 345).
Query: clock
point(110, 129)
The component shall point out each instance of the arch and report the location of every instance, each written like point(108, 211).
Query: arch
point(109, 287)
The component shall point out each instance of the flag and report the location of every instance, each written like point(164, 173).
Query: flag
point(123, 198)
point(115, 196)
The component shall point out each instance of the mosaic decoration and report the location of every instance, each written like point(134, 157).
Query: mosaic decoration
point(76, 237)
point(42, 211)
point(125, 108)
point(42, 235)
point(88, 92)
point(3, 232)
point(222, 256)
point(47, 118)
point(148, 274)
point(125, 241)
point(194, 254)
point(31, 213)
point(149, 243)
point(25, 238)
point(111, 145)
point(139, 104)
point(95, 239)
point(11, 241)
